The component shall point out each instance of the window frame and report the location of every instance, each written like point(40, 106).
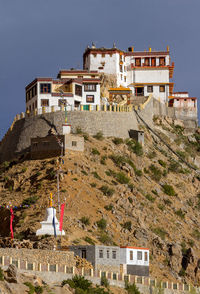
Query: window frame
point(42, 101)
point(150, 87)
point(45, 88)
point(92, 86)
point(114, 254)
point(160, 89)
point(88, 101)
point(139, 255)
point(78, 90)
point(100, 253)
point(145, 256)
point(131, 254)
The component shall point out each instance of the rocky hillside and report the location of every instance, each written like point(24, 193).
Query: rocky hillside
point(117, 192)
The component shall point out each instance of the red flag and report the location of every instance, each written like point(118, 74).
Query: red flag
point(11, 221)
point(61, 216)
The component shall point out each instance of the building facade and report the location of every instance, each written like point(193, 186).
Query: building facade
point(71, 88)
point(143, 72)
point(135, 260)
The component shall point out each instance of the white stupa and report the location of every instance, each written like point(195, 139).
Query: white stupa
point(50, 227)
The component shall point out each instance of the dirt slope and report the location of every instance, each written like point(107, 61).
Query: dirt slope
point(144, 196)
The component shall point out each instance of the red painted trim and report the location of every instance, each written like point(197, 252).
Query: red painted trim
point(79, 71)
point(64, 95)
point(189, 98)
point(147, 53)
point(180, 92)
point(134, 247)
point(38, 80)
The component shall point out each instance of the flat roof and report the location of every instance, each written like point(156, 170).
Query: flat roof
point(133, 247)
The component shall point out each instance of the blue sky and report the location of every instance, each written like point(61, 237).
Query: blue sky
point(37, 38)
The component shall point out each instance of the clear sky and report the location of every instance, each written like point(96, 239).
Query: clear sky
point(39, 37)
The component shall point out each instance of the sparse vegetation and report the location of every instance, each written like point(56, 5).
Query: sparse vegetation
point(155, 173)
point(159, 232)
point(118, 141)
point(127, 225)
point(180, 213)
point(151, 154)
point(1, 274)
point(30, 200)
point(85, 220)
point(107, 191)
point(104, 282)
point(108, 207)
point(104, 238)
point(196, 234)
point(135, 147)
point(95, 174)
point(103, 160)
point(102, 223)
point(169, 190)
point(131, 288)
point(150, 197)
point(99, 136)
point(93, 185)
point(89, 240)
point(162, 163)
point(95, 151)
point(122, 178)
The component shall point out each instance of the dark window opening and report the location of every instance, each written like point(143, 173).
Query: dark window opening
point(108, 254)
point(100, 253)
point(146, 61)
point(45, 88)
point(139, 91)
point(90, 98)
point(114, 254)
point(44, 102)
point(78, 90)
point(145, 256)
point(131, 255)
point(137, 61)
point(150, 89)
point(83, 253)
point(74, 143)
point(162, 61)
point(153, 61)
point(162, 88)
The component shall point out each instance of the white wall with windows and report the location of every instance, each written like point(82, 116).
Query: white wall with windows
point(134, 256)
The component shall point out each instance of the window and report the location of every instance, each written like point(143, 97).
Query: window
point(121, 68)
point(131, 255)
point(145, 256)
point(83, 253)
point(146, 61)
point(30, 266)
point(90, 98)
point(110, 54)
point(139, 255)
point(114, 254)
point(52, 268)
point(149, 89)
point(74, 143)
point(94, 54)
point(162, 61)
point(44, 102)
point(108, 254)
point(90, 87)
point(153, 61)
point(45, 88)
point(103, 55)
point(162, 88)
point(78, 90)
point(121, 77)
point(100, 253)
point(137, 61)
point(124, 79)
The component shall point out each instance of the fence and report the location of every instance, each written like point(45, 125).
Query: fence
point(90, 273)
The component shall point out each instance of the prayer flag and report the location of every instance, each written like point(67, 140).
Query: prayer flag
point(11, 221)
point(61, 215)
point(54, 223)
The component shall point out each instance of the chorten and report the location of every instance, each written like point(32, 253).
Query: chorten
point(51, 225)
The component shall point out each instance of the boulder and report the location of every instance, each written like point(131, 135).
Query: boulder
point(11, 275)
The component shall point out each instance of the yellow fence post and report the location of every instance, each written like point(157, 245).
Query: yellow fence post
point(104, 107)
point(81, 107)
point(52, 109)
point(43, 109)
point(110, 107)
point(114, 108)
point(97, 107)
point(90, 107)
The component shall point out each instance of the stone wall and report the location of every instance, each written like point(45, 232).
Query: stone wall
point(36, 259)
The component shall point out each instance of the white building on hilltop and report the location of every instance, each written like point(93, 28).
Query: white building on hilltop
point(72, 88)
point(143, 72)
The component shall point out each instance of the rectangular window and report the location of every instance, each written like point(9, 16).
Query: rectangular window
point(131, 255)
point(62, 102)
point(108, 254)
point(90, 98)
point(149, 89)
point(94, 54)
point(162, 88)
point(44, 102)
point(162, 61)
point(124, 79)
point(78, 90)
point(90, 88)
point(114, 254)
point(52, 268)
point(137, 61)
point(145, 256)
point(30, 266)
point(153, 61)
point(83, 253)
point(45, 88)
point(121, 68)
point(139, 255)
point(146, 61)
point(74, 143)
point(100, 253)
point(103, 55)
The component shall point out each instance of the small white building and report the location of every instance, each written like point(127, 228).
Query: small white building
point(182, 100)
point(135, 260)
point(72, 88)
point(144, 72)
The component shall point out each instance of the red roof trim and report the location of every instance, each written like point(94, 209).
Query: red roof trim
point(147, 53)
point(38, 80)
point(79, 71)
point(134, 247)
point(183, 97)
point(180, 92)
